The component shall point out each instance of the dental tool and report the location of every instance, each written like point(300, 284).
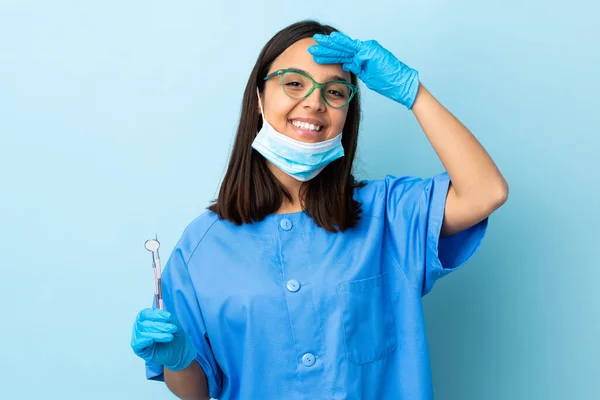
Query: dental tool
point(152, 245)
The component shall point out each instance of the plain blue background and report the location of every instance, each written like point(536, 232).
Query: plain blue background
point(117, 118)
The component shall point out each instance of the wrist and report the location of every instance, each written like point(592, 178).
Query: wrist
point(410, 89)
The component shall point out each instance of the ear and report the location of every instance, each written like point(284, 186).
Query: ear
point(258, 102)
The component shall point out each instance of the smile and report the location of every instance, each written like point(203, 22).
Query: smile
point(307, 126)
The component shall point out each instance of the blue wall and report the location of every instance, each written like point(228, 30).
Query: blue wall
point(117, 118)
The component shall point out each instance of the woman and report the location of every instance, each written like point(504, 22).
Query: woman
point(300, 282)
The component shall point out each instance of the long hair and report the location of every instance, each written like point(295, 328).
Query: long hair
point(249, 191)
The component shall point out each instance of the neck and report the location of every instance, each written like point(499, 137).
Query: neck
point(293, 186)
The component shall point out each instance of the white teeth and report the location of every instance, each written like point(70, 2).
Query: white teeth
point(306, 126)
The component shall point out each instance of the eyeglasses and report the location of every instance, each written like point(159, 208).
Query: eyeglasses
point(299, 85)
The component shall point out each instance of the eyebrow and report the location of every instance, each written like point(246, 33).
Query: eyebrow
point(331, 77)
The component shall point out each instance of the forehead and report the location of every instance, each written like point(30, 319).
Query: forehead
point(297, 56)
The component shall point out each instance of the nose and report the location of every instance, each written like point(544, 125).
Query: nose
point(315, 100)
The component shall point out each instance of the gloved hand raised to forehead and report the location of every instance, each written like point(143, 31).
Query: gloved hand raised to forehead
point(158, 338)
point(378, 68)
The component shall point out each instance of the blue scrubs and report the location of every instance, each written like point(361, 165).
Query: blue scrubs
point(282, 309)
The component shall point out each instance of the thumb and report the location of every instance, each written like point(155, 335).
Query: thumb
point(353, 67)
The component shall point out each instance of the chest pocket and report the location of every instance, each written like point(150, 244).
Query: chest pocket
point(367, 319)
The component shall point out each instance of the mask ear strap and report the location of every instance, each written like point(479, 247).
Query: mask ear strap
point(260, 103)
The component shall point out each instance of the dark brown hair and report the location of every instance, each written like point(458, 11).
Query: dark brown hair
point(249, 191)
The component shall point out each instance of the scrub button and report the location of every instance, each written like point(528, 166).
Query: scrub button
point(308, 359)
point(285, 224)
point(293, 285)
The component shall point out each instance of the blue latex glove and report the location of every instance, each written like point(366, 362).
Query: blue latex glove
point(378, 68)
point(158, 338)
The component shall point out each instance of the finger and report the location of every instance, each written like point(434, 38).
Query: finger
point(154, 314)
point(160, 337)
point(155, 337)
point(327, 41)
point(345, 41)
point(323, 51)
point(331, 60)
point(155, 327)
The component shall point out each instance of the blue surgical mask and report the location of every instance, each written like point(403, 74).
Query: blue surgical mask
point(300, 160)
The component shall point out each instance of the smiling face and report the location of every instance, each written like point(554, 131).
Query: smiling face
point(308, 120)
